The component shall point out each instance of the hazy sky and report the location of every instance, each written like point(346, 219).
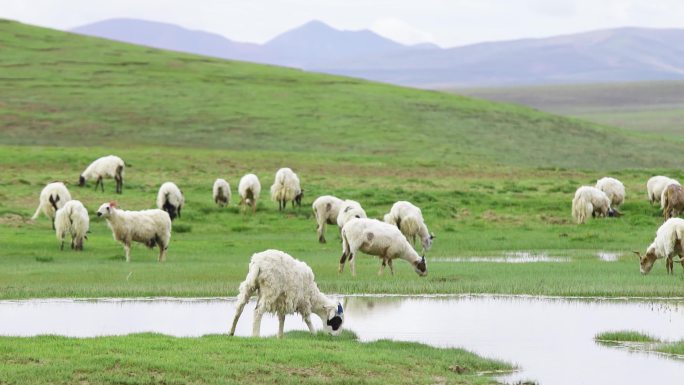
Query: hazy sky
point(444, 22)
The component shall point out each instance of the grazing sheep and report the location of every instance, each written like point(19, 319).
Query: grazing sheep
point(52, 197)
point(381, 239)
point(170, 199)
point(656, 186)
point(286, 188)
point(151, 227)
point(590, 201)
point(325, 208)
point(221, 192)
point(249, 190)
point(285, 286)
point(350, 209)
point(73, 219)
point(106, 167)
point(409, 219)
point(669, 241)
point(673, 201)
point(614, 190)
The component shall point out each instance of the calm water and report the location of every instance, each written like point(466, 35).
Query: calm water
point(550, 339)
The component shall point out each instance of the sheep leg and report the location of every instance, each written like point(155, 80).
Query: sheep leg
point(389, 262)
point(162, 253)
point(352, 264)
point(343, 259)
point(61, 246)
point(256, 325)
point(307, 320)
point(321, 233)
point(281, 324)
point(127, 250)
point(382, 266)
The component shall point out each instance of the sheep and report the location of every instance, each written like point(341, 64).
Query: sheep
point(374, 237)
point(151, 227)
point(72, 218)
point(590, 201)
point(286, 188)
point(409, 219)
point(656, 186)
point(669, 241)
point(349, 209)
point(53, 197)
point(325, 209)
point(285, 286)
point(673, 201)
point(170, 199)
point(614, 190)
point(106, 167)
point(221, 192)
point(249, 190)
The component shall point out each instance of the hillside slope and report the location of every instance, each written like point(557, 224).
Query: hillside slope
point(58, 88)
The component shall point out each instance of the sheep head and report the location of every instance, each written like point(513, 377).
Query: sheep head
point(335, 319)
point(81, 181)
point(420, 266)
point(106, 209)
point(646, 261)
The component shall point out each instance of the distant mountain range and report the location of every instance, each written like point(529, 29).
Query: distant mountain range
point(621, 54)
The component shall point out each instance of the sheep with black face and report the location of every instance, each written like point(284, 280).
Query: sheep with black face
point(285, 285)
point(170, 199)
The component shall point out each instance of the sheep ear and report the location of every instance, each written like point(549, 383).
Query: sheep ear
point(432, 236)
point(638, 254)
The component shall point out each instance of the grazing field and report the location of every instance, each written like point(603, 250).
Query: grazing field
point(655, 107)
point(157, 359)
point(490, 178)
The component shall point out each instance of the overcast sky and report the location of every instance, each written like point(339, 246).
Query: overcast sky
point(444, 22)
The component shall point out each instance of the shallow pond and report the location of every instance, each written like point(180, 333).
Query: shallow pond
point(550, 339)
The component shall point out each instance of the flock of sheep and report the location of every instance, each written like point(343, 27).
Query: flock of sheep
point(284, 285)
point(609, 193)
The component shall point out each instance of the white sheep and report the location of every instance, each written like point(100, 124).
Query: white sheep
point(656, 186)
point(170, 199)
point(409, 219)
point(285, 285)
point(325, 208)
point(52, 197)
point(590, 201)
point(381, 239)
point(221, 192)
point(72, 219)
point(350, 209)
point(614, 190)
point(286, 188)
point(249, 190)
point(110, 166)
point(151, 227)
point(669, 241)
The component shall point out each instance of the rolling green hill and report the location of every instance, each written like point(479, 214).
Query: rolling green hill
point(62, 89)
point(655, 107)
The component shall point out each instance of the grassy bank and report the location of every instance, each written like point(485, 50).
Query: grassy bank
point(649, 343)
point(297, 359)
point(485, 213)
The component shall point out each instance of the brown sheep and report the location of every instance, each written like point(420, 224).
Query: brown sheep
point(673, 204)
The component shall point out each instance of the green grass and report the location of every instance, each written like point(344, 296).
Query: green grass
point(297, 359)
point(65, 90)
point(644, 342)
point(490, 178)
point(651, 106)
point(625, 336)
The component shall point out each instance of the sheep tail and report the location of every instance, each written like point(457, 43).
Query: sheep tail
point(581, 209)
point(35, 215)
point(249, 285)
